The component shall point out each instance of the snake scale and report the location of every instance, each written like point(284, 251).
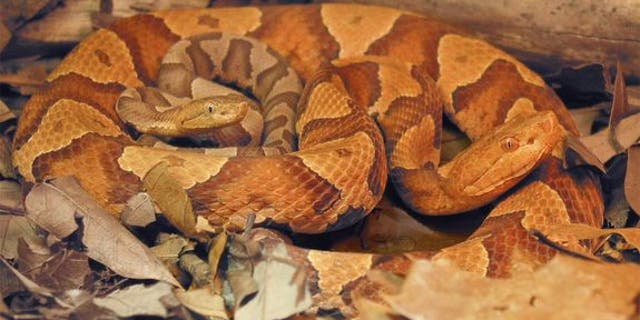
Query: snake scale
point(359, 63)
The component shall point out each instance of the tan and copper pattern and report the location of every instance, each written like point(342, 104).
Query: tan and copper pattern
point(414, 67)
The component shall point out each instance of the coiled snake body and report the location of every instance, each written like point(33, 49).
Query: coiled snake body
point(386, 59)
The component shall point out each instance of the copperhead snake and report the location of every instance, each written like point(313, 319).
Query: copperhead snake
point(401, 71)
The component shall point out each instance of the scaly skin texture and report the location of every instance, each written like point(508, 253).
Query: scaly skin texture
point(340, 170)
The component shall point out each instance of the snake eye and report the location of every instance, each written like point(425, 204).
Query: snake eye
point(210, 109)
point(509, 144)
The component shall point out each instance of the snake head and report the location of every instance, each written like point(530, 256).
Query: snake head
point(213, 112)
point(503, 157)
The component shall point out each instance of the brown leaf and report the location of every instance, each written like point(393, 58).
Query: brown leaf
point(27, 283)
point(601, 145)
point(566, 288)
point(61, 270)
point(584, 117)
point(5, 35)
point(170, 248)
point(32, 255)
point(5, 113)
point(585, 232)
point(578, 154)
point(216, 249)
point(620, 104)
point(391, 229)
point(633, 96)
point(277, 293)
point(204, 302)
point(28, 80)
point(139, 211)
point(58, 206)
point(617, 210)
point(6, 165)
point(11, 197)
point(198, 268)
point(632, 178)
point(12, 229)
point(137, 300)
point(171, 198)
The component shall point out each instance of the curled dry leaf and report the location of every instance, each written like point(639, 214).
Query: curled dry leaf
point(203, 302)
point(138, 300)
point(12, 229)
point(139, 211)
point(171, 198)
point(566, 288)
point(196, 267)
point(58, 206)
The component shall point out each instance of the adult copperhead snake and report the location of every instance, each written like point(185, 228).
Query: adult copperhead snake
point(70, 128)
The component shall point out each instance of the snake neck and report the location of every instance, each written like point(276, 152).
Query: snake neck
point(149, 119)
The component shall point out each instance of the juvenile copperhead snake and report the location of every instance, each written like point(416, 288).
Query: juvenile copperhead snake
point(339, 174)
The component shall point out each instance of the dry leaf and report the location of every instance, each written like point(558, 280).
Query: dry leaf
point(6, 165)
point(170, 248)
point(277, 293)
point(632, 178)
point(584, 117)
point(32, 255)
point(57, 206)
point(617, 210)
point(203, 302)
point(139, 211)
point(27, 283)
point(566, 288)
point(5, 36)
point(137, 300)
point(600, 144)
point(578, 154)
point(216, 249)
point(5, 113)
point(61, 270)
point(196, 267)
point(11, 197)
point(620, 104)
point(12, 229)
point(585, 232)
point(633, 96)
point(28, 80)
point(390, 229)
point(203, 226)
point(170, 198)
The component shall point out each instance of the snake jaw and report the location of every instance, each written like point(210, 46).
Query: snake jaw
point(512, 151)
